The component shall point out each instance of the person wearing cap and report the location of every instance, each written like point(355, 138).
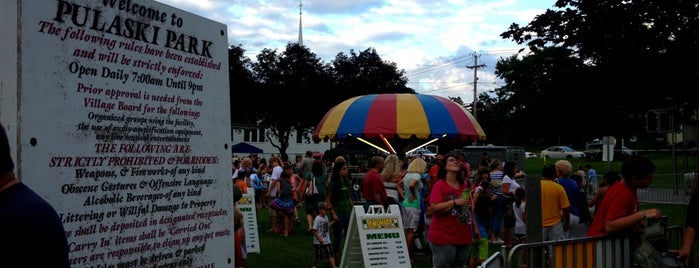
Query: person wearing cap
point(33, 234)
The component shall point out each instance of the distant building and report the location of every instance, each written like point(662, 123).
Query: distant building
point(255, 135)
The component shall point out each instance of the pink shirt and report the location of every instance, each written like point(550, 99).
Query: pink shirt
point(446, 228)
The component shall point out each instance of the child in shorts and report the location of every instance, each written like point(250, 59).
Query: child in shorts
point(321, 236)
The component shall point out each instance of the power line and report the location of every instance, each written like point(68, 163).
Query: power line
point(440, 89)
point(506, 51)
point(429, 68)
point(455, 60)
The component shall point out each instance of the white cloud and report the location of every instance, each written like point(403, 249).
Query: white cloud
point(415, 34)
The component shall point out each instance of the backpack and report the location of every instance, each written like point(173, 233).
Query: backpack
point(256, 181)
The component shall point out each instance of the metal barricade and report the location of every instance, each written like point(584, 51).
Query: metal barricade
point(494, 261)
point(588, 252)
point(667, 189)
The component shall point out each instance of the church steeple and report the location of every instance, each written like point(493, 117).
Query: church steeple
point(300, 26)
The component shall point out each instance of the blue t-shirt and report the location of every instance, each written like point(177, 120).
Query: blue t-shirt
point(572, 190)
point(592, 175)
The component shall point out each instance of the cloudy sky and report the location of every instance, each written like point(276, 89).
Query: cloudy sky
point(432, 40)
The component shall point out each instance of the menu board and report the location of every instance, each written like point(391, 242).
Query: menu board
point(124, 127)
point(375, 239)
point(247, 205)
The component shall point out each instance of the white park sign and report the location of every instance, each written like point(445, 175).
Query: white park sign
point(120, 110)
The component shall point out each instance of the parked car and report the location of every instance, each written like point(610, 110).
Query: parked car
point(422, 152)
point(530, 155)
point(594, 151)
point(561, 152)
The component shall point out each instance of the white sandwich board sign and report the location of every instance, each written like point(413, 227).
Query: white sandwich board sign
point(375, 238)
point(247, 205)
point(119, 110)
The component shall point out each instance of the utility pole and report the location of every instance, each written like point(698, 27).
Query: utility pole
point(475, 67)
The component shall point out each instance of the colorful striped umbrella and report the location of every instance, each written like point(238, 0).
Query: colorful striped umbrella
point(398, 115)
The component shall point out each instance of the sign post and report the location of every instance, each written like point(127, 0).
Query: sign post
point(608, 143)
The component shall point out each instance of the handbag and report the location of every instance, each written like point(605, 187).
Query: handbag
point(655, 228)
point(311, 189)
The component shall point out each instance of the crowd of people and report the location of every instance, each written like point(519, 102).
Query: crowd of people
point(458, 212)
point(281, 187)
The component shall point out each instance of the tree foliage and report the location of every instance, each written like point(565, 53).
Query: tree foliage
point(366, 73)
point(292, 82)
point(290, 91)
point(241, 81)
point(596, 68)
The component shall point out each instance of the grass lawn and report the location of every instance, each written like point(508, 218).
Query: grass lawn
point(296, 250)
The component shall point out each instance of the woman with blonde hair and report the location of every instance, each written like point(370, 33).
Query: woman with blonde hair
point(411, 206)
point(392, 175)
point(241, 176)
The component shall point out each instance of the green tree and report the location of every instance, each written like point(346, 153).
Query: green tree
point(538, 102)
point(290, 91)
point(294, 82)
point(366, 73)
point(628, 59)
point(242, 87)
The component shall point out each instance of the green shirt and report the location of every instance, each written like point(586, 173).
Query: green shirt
point(341, 204)
point(407, 179)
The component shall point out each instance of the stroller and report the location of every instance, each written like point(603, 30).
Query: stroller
point(654, 250)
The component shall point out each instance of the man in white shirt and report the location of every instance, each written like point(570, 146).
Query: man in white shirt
point(277, 170)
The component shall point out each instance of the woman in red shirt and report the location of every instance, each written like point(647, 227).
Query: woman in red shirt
point(450, 232)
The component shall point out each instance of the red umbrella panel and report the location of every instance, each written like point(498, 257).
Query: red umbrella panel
point(398, 116)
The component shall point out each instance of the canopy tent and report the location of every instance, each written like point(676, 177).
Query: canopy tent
point(245, 148)
point(396, 117)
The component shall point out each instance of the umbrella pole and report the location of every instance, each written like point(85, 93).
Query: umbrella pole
point(425, 144)
point(372, 145)
point(387, 143)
